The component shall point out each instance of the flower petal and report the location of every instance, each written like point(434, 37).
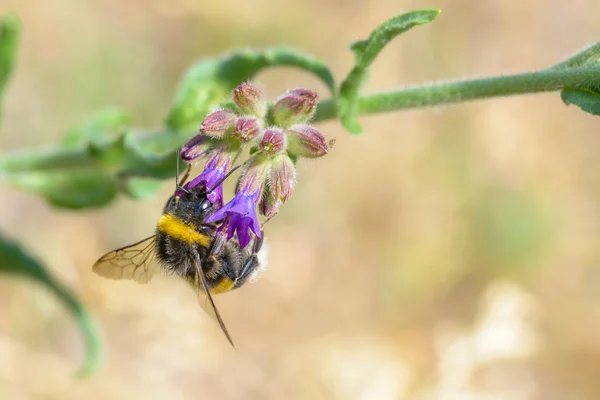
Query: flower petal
point(240, 216)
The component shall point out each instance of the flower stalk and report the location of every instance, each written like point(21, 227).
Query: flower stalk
point(434, 94)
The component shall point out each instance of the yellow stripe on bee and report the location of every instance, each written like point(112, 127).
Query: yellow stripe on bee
point(177, 229)
point(225, 284)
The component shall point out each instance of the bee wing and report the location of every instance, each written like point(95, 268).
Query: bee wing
point(205, 298)
point(137, 262)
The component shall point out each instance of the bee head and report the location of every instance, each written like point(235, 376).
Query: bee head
point(196, 201)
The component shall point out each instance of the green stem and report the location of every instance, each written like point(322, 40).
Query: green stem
point(401, 99)
point(465, 90)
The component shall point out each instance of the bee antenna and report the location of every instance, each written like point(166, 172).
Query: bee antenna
point(223, 179)
point(177, 183)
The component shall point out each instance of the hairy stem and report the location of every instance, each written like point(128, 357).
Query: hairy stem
point(465, 90)
point(395, 100)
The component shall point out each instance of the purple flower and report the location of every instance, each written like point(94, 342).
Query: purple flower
point(215, 169)
point(239, 216)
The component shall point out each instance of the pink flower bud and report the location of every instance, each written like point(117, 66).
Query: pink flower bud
point(196, 147)
point(295, 107)
point(273, 141)
point(282, 178)
point(306, 141)
point(218, 123)
point(250, 100)
point(268, 206)
point(247, 128)
point(306, 93)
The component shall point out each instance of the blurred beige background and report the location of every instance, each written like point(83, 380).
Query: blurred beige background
point(446, 253)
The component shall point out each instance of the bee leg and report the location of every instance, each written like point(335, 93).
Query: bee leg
point(252, 262)
point(258, 242)
point(217, 245)
point(246, 271)
point(219, 242)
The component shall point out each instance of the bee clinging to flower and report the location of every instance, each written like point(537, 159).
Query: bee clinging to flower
point(200, 237)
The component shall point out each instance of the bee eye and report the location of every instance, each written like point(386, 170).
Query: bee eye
point(206, 204)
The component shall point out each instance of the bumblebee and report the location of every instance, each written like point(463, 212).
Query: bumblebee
point(185, 245)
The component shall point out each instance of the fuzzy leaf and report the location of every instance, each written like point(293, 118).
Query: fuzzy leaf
point(102, 129)
point(75, 188)
point(142, 188)
point(588, 56)
point(155, 158)
point(210, 82)
point(365, 52)
point(586, 99)
point(15, 261)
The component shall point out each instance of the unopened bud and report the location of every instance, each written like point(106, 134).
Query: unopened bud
point(196, 147)
point(250, 100)
point(306, 93)
point(306, 141)
point(273, 141)
point(282, 178)
point(247, 128)
point(295, 107)
point(269, 206)
point(218, 123)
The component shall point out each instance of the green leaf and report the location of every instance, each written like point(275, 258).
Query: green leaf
point(365, 52)
point(142, 188)
point(586, 99)
point(100, 130)
point(105, 155)
point(9, 36)
point(588, 56)
point(91, 175)
point(75, 188)
point(151, 155)
point(14, 260)
point(210, 81)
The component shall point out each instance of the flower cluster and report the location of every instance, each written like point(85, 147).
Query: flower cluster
point(276, 137)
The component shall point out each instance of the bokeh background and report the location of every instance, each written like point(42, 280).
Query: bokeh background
point(447, 253)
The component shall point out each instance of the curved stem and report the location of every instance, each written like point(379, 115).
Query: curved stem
point(465, 90)
point(395, 100)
